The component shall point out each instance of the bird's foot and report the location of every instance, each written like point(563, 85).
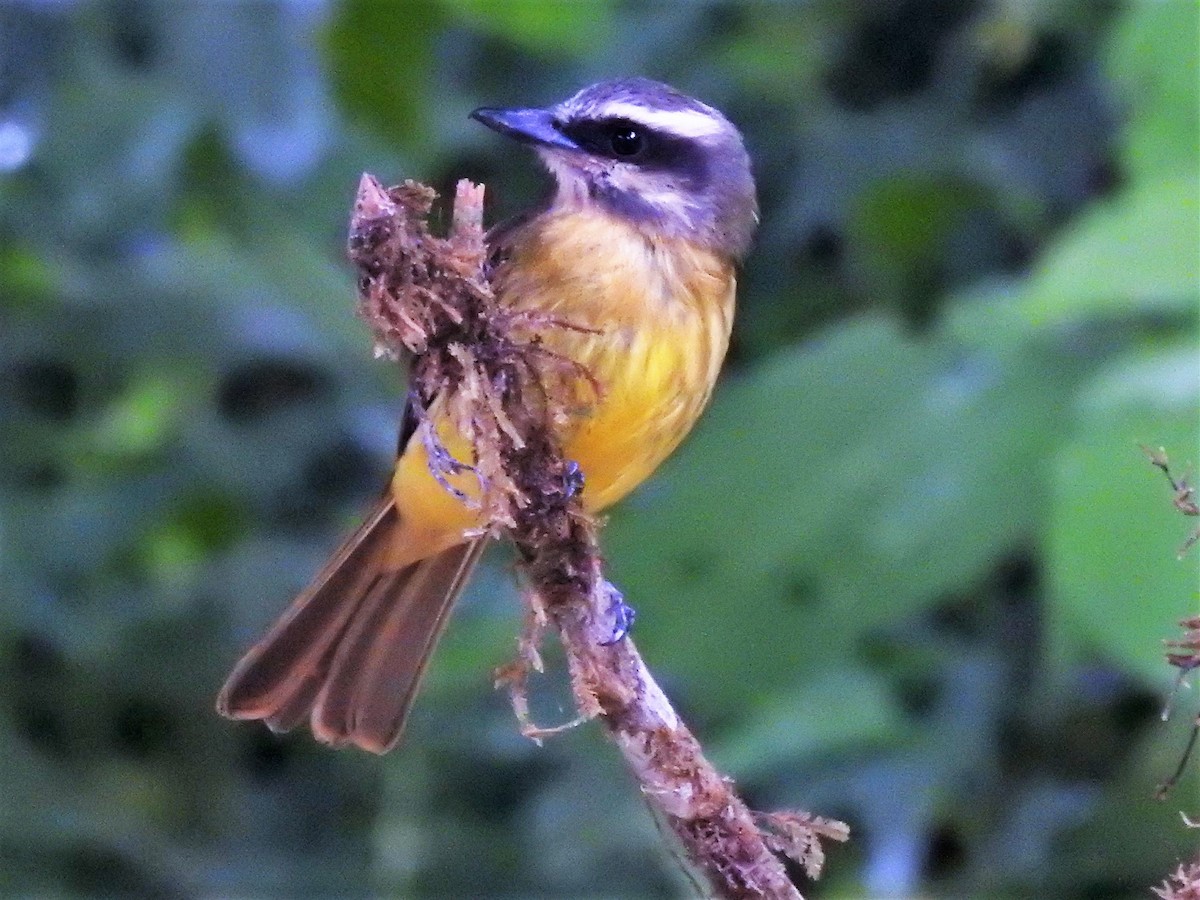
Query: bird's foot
point(623, 615)
point(442, 465)
point(572, 478)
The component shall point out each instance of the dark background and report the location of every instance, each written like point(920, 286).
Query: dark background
point(912, 571)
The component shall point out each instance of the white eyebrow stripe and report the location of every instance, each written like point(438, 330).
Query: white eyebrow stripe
point(683, 122)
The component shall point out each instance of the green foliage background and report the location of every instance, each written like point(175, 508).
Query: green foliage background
point(912, 571)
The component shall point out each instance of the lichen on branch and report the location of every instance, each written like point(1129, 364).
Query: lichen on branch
point(429, 301)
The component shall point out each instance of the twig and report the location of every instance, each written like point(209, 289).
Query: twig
point(1184, 498)
point(1184, 653)
point(509, 396)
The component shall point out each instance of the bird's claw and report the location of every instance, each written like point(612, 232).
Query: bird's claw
point(572, 478)
point(442, 464)
point(623, 615)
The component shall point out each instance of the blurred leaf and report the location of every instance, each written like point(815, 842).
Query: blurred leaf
point(142, 420)
point(1155, 57)
point(838, 487)
point(779, 49)
point(550, 26)
point(846, 710)
point(1138, 252)
point(1099, 844)
point(381, 54)
point(1117, 585)
point(254, 68)
point(903, 222)
point(26, 282)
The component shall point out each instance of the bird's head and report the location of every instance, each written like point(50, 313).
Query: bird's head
point(644, 151)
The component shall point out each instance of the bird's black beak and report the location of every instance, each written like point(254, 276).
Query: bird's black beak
point(529, 126)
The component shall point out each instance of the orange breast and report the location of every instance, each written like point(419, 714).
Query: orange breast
point(659, 311)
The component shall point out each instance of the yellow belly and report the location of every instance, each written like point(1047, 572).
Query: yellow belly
point(660, 312)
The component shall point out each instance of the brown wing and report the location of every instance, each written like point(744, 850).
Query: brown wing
point(350, 651)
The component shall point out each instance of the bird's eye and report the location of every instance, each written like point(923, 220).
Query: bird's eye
point(626, 141)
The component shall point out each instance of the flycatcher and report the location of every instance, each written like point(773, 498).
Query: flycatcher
point(653, 209)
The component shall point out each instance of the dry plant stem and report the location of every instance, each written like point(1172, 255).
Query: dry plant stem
point(1184, 653)
point(1184, 498)
point(431, 297)
point(1182, 884)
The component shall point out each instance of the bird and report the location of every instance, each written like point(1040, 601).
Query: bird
point(651, 214)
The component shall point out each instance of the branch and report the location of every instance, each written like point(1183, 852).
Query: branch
point(431, 297)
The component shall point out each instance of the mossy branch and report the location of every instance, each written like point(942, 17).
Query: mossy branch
point(430, 298)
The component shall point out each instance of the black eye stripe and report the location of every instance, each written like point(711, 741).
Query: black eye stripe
point(658, 150)
point(596, 135)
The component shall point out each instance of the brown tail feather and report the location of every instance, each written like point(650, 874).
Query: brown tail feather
point(324, 656)
point(376, 672)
